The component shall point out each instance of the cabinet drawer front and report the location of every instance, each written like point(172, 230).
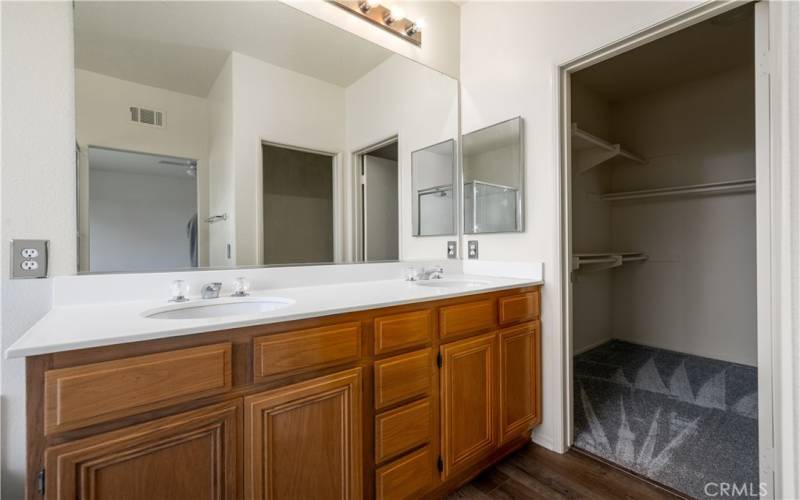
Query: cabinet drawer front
point(299, 350)
point(402, 377)
point(466, 318)
point(522, 307)
point(400, 331)
point(402, 429)
point(407, 477)
point(84, 395)
point(189, 455)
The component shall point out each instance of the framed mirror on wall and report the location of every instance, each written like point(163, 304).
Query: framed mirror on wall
point(433, 194)
point(175, 173)
point(494, 174)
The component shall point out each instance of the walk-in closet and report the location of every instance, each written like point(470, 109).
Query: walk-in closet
point(663, 269)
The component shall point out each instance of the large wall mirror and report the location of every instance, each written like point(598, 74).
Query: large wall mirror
point(433, 173)
point(493, 178)
point(216, 134)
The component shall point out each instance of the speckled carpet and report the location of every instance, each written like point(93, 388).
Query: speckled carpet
point(682, 420)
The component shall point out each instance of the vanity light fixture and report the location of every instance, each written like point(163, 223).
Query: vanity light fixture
point(391, 18)
point(366, 5)
point(393, 15)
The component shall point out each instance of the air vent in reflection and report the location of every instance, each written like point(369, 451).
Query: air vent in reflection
point(147, 117)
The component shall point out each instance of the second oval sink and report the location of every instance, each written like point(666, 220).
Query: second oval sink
point(215, 309)
point(446, 283)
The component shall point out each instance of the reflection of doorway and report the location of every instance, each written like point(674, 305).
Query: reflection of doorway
point(378, 199)
point(298, 205)
point(139, 211)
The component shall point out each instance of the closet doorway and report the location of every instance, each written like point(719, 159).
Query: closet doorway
point(662, 247)
point(298, 205)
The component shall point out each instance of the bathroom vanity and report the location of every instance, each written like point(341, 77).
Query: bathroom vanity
point(404, 401)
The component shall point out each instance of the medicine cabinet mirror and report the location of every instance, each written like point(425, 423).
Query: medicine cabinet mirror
point(228, 134)
point(433, 174)
point(492, 160)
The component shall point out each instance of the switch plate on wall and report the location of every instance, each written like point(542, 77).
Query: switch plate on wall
point(472, 249)
point(29, 258)
point(451, 249)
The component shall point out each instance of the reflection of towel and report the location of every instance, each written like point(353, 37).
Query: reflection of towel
point(191, 232)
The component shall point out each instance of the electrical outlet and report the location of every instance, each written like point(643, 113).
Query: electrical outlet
point(29, 253)
point(29, 258)
point(451, 249)
point(472, 249)
point(29, 265)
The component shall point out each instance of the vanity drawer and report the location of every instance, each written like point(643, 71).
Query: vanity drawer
point(84, 395)
point(400, 331)
point(402, 429)
point(406, 477)
point(402, 377)
point(466, 318)
point(516, 308)
point(300, 350)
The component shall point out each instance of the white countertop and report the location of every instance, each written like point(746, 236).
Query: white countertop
point(72, 327)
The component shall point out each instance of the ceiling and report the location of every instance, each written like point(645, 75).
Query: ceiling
point(713, 46)
point(182, 46)
point(139, 163)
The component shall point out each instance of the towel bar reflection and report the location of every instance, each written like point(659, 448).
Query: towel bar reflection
point(217, 218)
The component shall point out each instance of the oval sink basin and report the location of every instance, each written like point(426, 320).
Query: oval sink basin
point(217, 308)
point(445, 283)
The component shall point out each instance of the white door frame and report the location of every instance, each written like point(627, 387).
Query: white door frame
point(764, 194)
point(359, 252)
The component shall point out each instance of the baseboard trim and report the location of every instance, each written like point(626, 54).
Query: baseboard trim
point(592, 346)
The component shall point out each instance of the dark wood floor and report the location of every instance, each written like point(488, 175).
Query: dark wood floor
point(537, 473)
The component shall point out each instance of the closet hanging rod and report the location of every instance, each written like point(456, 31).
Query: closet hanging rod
point(740, 186)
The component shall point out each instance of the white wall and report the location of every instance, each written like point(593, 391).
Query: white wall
point(280, 106)
point(38, 187)
point(221, 168)
point(156, 207)
point(440, 38)
point(591, 228)
point(402, 98)
point(509, 57)
point(103, 120)
point(697, 292)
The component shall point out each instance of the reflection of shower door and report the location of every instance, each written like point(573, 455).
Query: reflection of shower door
point(380, 210)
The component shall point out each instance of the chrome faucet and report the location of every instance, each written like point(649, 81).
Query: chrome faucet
point(210, 290)
point(432, 273)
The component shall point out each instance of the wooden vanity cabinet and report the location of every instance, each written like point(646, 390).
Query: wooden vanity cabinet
point(401, 402)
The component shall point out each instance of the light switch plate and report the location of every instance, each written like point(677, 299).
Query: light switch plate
point(29, 258)
point(451, 249)
point(472, 249)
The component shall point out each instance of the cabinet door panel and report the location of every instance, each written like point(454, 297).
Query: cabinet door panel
point(192, 455)
point(468, 401)
point(519, 379)
point(304, 441)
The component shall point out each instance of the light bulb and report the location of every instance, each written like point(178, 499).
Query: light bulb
point(366, 5)
point(393, 14)
point(415, 27)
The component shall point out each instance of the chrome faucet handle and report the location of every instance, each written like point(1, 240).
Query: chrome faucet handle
point(433, 273)
point(180, 290)
point(241, 288)
point(210, 290)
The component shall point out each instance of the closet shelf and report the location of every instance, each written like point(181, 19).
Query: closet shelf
point(591, 151)
point(740, 186)
point(602, 261)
